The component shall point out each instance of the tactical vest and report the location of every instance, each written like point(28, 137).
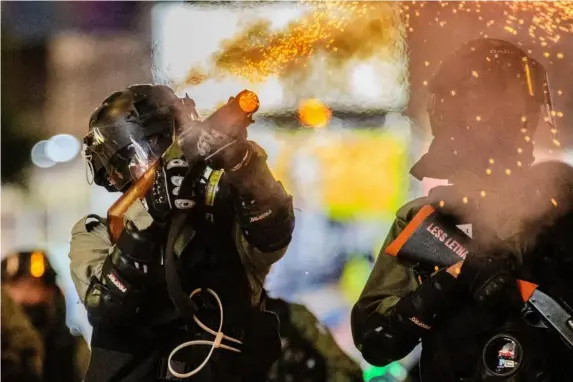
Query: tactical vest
point(209, 260)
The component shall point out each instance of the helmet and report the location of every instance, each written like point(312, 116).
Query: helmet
point(130, 130)
point(484, 105)
point(28, 264)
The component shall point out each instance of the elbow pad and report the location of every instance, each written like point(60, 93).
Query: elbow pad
point(392, 336)
point(131, 264)
point(113, 299)
point(137, 254)
point(264, 208)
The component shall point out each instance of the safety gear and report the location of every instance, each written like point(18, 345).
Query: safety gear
point(130, 130)
point(490, 280)
point(264, 208)
point(207, 262)
point(131, 266)
point(28, 264)
point(220, 150)
point(484, 104)
point(392, 336)
point(168, 191)
point(221, 139)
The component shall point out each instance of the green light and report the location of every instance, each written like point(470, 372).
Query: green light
point(373, 372)
point(397, 370)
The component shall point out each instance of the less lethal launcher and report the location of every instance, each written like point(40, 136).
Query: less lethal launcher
point(236, 114)
point(434, 241)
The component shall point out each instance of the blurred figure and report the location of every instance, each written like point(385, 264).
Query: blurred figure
point(310, 353)
point(22, 349)
point(30, 281)
point(485, 103)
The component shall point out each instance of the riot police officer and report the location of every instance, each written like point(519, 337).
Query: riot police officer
point(485, 101)
point(227, 239)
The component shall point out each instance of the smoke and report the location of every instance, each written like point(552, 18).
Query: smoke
point(520, 209)
point(314, 54)
point(541, 198)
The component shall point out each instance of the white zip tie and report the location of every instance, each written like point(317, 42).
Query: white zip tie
point(219, 336)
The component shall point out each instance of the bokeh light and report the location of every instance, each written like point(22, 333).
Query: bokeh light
point(39, 157)
point(62, 148)
point(313, 113)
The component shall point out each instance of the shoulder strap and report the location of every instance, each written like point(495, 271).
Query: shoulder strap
point(183, 303)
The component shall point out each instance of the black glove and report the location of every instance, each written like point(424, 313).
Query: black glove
point(386, 338)
point(218, 148)
point(490, 280)
point(169, 191)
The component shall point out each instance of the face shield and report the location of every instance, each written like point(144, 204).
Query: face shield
point(124, 152)
point(120, 151)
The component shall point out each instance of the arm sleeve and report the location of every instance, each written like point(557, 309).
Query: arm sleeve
point(90, 246)
point(395, 310)
point(256, 263)
point(265, 218)
point(390, 281)
point(263, 208)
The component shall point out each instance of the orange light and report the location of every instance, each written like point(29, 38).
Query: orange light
point(37, 264)
point(313, 113)
point(248, 101)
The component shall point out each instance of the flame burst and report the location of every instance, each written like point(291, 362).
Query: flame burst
point(337, 30)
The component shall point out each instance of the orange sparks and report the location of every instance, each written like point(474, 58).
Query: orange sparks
point(333, 30)
point(542, 21)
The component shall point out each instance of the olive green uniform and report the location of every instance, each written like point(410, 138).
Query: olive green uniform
point(456, 344)
point(339, 366)
point(390, 278)
point(91, 242)
point(393, 278)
